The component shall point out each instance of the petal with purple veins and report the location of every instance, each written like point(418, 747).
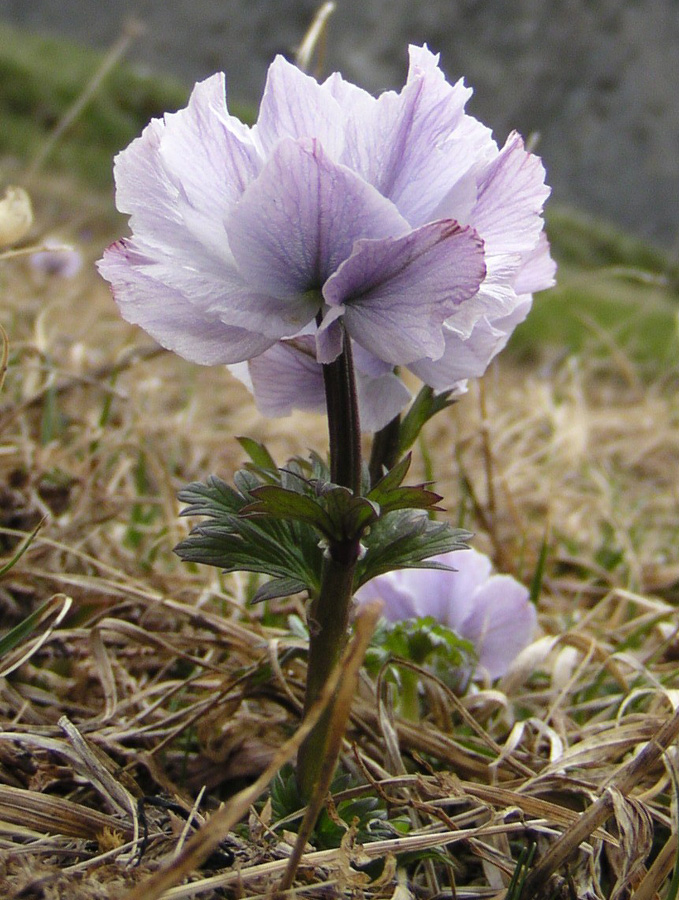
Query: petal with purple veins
point(294, 105)
point(287, 377)
point(211, 157)
point(298, 221)
point(172, 319)
point(398, 292)
point(512, 192)
point(415, 145)
point(470, 357)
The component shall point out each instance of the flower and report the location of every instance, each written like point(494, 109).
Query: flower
point(492, 612)
point(500, 194)
point(57, 258)
point(396, 217)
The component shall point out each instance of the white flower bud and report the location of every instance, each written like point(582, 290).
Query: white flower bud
point(16, 216)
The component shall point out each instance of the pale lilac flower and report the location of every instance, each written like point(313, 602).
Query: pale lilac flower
point(57, 259)
point(492, 612)
point(449, 167)
point(334, 207)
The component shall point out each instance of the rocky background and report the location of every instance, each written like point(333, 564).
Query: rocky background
point(598, 80)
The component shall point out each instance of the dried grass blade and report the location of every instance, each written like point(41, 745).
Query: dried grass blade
point(658, 872)
point(54, 815)
point(199, 847)
point(626, 778)
point(4, 356)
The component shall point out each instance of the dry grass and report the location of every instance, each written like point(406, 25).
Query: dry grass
point(162, 694)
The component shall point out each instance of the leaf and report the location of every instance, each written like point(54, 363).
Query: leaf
point(424, 407)
point(392, 479)
point(214, 498)
point(351, 515)
point(417, 640)
point(281, 503)
point(278, 587)
point(59, 604)
point(406, 539)
point(5, 568)
point(391, 494)
point(258, 453)
point(265, 545)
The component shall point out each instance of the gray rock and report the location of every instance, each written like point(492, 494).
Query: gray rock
point(597, 79)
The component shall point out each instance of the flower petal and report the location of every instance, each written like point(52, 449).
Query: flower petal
point(299, 220)
point(472, 571)
point(392, 590)
point(469, 357)
point(502, 623)
point(294, 105)
point(287, 377)
point(538, 270)
point(169, 317)
point(180, 206)
point(398, 292)
point(211, 158)
point(414, 146)
point(365, 362)
point(495, 298)
point(380, 399)
point(512, 192)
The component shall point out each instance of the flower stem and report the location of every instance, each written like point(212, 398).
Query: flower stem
point(343, 423)
point(329, 612)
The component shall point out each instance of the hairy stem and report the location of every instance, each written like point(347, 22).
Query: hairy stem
point(343, 424)
point(329, 612)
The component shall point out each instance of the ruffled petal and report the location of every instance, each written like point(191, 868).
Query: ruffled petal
point(299, 220)
point(169, 317)
point(538, 269)
point(294, 105)
point(495, 298)
point(211, 158)
point(414, 146)
point(145, 191)
point(470, 357)
point(398, 292)
point(178, 210)
point(511, 195)
point(181, 177)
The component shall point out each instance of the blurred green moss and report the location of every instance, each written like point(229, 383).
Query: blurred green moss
point(602, 312)
point(42, 77)
point(615, 293)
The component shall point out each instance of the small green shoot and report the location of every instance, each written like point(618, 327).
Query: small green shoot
point(59, 604)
